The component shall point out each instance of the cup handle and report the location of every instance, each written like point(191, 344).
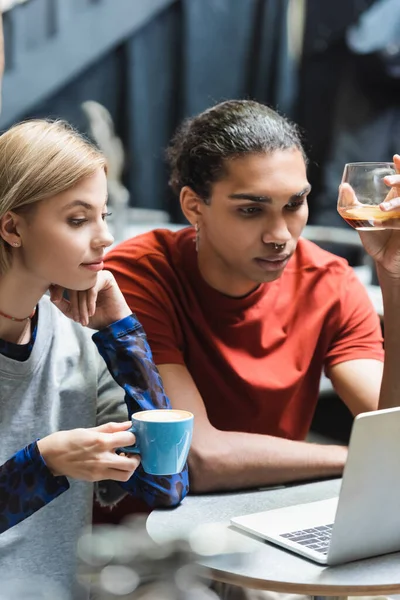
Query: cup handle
point(131, 449)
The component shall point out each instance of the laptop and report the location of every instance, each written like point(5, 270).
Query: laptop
point(364, 521)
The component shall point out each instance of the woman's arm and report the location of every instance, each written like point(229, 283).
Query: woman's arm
point(26, 484)
point(124, 347)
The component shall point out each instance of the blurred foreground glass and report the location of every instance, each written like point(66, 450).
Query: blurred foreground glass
point(122, 562)
point(360, 193)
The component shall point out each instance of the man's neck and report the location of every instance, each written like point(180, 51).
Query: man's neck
point(218, 276)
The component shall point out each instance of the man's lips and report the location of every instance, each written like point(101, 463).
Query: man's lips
point(274, 257)
point(273, 263)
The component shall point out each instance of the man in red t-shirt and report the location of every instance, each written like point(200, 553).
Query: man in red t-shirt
point(242, 315)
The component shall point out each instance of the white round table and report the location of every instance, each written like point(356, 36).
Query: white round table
point(269, 567)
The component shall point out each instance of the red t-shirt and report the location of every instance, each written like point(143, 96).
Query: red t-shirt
point(256, 360)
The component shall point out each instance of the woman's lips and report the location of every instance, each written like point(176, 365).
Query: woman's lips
point(96, 266)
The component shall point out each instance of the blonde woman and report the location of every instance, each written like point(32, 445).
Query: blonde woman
point(62, 388)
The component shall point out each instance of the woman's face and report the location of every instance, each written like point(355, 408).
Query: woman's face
point(64, 240)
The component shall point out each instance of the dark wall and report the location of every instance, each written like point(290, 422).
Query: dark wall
point(154, 62)
point(150, 62)
point(49, 43)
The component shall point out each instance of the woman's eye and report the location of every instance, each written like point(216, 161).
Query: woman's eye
point(105, 215)
point(249, 211)
point(76, 222)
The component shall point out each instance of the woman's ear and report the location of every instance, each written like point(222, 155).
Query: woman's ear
point(8, 229)
point(191, 204)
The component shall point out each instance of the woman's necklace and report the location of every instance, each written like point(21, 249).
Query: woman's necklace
point(18, 320)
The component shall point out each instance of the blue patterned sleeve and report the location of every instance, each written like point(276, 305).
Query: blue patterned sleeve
point(124, 347)
point(26, 484)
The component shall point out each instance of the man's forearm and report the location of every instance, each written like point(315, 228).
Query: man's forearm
point(233, 460)
point(390, 388)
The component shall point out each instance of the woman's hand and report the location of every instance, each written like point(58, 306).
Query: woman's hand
point(89, 454)
point(97, 307)
point(384, 245)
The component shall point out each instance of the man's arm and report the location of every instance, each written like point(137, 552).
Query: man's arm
point(222, 460)
point(231, 460)
point(357, 383)
point(384, 247)
point(390, 389)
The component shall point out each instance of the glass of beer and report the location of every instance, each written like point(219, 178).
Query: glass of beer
point(362, 191)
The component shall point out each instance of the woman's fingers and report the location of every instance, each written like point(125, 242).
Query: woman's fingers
point(119, 439)
point(89, 454)
point(92, 299)
point(80, 306)
point(118, 475)
point(97, 306)
point(124, 463)
point(57, 297)
point(56, 293)
point(83, 308)
point(113, 427)
point(74, 306)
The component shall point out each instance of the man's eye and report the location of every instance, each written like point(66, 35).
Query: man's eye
point(295, 205)
point(249, 211)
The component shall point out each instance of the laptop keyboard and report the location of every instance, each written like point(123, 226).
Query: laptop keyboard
point(316, 538)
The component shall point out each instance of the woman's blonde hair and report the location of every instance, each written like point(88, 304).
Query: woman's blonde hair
point(40, 159)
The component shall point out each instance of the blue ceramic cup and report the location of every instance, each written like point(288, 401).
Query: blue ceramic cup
point(163, 439)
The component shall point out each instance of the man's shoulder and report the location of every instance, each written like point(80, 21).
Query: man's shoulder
point(309, 256)
point(157, 247)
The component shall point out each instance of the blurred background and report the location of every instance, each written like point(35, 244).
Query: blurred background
point(126, 72)
point(333, 67)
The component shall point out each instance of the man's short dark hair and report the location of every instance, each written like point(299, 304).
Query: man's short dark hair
point(203, 144)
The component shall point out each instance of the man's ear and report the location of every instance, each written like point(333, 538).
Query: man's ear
point(191, 204)
point(9, 229)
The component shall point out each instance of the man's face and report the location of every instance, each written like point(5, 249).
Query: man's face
point(64, 240)
point(261, 202)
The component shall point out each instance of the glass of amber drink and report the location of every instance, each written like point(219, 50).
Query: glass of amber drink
point(362, 191)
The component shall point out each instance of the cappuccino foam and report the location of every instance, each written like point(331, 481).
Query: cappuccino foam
point(162, 416)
